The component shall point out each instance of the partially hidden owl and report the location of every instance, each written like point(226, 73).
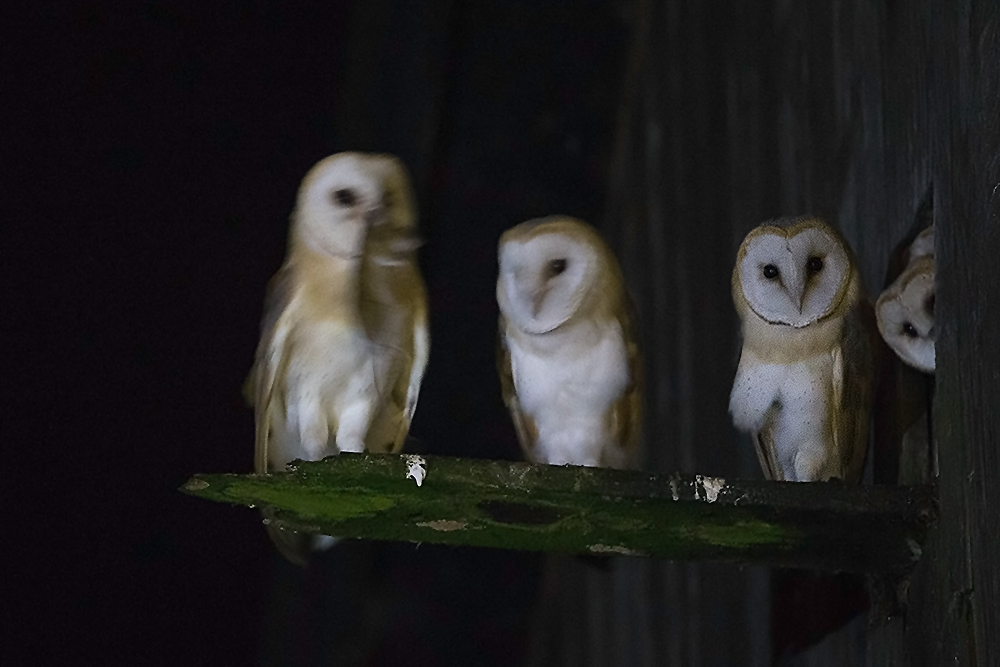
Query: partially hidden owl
point(804, 386)
point(905, 310)
point(344, 338)
point(567, 351)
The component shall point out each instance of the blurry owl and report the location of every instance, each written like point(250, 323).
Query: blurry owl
point(567, 355)
point(344, 339)
point(804, 386)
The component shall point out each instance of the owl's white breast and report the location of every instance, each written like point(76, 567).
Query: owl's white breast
point(334, 367)
point(800, 388)
point(339, 360)
point(567, 381)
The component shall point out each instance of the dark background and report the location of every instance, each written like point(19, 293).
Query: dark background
point(151, 157)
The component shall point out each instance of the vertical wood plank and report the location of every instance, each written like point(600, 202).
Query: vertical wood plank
point(963, 580)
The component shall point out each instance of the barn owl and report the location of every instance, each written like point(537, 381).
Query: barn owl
point(567, 353)
point(344, 339)
point(905, 310)
point(804, 384)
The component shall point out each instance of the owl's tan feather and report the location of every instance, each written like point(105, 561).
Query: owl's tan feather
point(764, 446)
point(270, 361)
point(524, 426)
point(406, 300)
point(626, 414)
point(853, 391)
point(414, 376)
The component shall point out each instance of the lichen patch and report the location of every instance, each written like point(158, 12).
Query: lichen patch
point(196, 485)
point(613, 549)
point(443, 525)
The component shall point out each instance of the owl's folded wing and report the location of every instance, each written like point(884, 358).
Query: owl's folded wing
point(852, 377)
point(527, 432)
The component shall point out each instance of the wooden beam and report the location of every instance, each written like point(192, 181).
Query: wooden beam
point(823, 526)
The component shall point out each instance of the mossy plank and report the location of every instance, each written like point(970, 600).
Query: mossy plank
point(826, 526)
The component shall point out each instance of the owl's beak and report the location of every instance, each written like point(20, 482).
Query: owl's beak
point(798, 296)
point(798, 291)
point(796, 286)
point(537, 298)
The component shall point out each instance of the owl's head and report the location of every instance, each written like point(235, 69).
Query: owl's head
point(550, 269)
point(793, 271)
point(905, 314)
point(348, 197)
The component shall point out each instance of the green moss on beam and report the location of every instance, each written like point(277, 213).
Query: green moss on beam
point(824, 526)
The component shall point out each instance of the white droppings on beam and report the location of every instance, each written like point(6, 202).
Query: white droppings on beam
point(710, 486)
point(415, 468)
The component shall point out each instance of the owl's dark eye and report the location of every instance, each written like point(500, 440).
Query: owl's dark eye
point(344, 197)
point(910, 330)
point(814, 265)
point(770, 271)
point(557, 266)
